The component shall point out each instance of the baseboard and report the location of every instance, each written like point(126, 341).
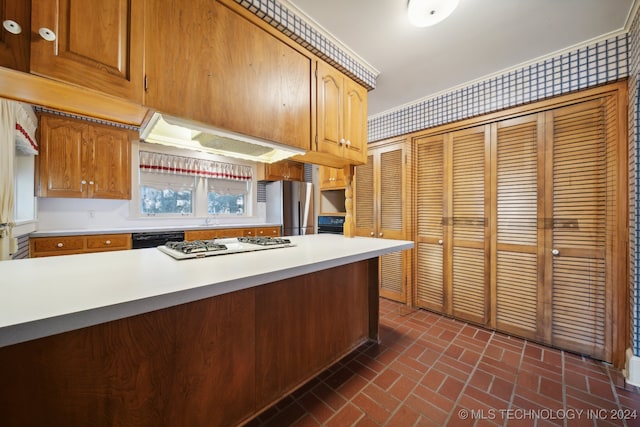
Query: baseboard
point(632, 369)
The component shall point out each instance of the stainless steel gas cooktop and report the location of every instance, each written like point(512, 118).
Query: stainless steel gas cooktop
point(203, 248)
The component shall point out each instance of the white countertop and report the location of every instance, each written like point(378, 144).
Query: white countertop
point(45, 296)
point(87, 231)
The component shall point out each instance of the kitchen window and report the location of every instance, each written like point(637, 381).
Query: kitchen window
point(178, 186)
point(163, 197)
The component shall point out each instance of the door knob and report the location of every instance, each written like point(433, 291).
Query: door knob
point(555, 252)
point(440, 241)
point(380, 234)
point(108, 242)
point(12, 26)
point(373, 234)
point(47, 34)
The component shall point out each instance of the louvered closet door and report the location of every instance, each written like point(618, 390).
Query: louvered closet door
point(430, 237)
point(581, 176)
point(365, 199)
point(515, 270)
point(469, 223)
point(391, 215)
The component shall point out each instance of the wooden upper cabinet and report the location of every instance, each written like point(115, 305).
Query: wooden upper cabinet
point(283, 170)
point(216, 66)
point(83, 160)
point(331, 178)
point(98, 44)
point(14, 48)
point(342, 115)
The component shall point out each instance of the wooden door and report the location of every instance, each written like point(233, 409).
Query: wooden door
point(392, 205)
point(15, 48)
point(215, 66)
point(98, 44)
point(516, 270)
point(431, 211)
point(63, 157)
point(580, 207)
point(365, 199)
point(329, 109)
point(469, 207)
point(355, 121)
point(111, 154)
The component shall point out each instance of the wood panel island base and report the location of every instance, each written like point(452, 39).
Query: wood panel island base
point(217, 361)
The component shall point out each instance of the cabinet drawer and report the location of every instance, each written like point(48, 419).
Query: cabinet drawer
point(268, 231)
point(200, 234)
point(105, 242)
point(61, 245)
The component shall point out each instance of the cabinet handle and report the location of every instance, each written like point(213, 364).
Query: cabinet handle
point(12, 26)
point(60, 244)
point(373, 234)
point(555, 252)
point(108, 242)
point(380, 234)
point(47, 34)
point(91, 182)
point(83, 182)
point(440, 241)
point(348, 143)
point(341, 141)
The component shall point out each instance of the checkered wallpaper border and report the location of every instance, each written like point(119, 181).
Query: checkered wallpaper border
point(291, 25)
point(592, 65)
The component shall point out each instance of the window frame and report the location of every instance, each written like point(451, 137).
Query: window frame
point(199, 200)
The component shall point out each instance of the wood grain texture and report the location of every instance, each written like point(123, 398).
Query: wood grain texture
point(15, 48)
point(83, 160)
point(98, 45)
point(215, 362)
point(226, 71)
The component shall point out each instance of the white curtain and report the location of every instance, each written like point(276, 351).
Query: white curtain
point(8, 244)
point(170, 164)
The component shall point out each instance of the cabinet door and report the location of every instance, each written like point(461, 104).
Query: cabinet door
point(391, 219)
point(469, 223)
point(355, 121)
point(98, 44)
point(63, 158)
point(295, 171)
point(516, 270)
point(365, 198)
point(215, 66)
point(330, 110)
point(111, 177)
point(430, 215)
point(14, 48)
point(581, 204)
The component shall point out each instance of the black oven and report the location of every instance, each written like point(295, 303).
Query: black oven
point(329, 224)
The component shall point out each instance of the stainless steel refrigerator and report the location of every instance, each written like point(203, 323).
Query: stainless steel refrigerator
point(290, 203)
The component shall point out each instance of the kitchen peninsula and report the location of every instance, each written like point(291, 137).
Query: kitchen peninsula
point(139, 338)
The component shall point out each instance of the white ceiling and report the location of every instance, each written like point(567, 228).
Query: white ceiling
point(480, 38)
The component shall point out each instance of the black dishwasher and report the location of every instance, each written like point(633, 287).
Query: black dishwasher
point(152, 239)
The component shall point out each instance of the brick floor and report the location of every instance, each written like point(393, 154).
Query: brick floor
point(429, 370)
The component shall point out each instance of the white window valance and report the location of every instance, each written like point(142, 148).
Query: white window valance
point(26, 124)
point(178, 165)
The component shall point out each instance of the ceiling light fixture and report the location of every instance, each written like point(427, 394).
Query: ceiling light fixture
point(424, 13)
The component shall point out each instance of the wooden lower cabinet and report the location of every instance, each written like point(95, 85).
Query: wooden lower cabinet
point(68, 245)
point(521, 222)
point(222, 233)
point(215, 362)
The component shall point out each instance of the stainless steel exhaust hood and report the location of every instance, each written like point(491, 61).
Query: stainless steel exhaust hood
point(176, 132)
